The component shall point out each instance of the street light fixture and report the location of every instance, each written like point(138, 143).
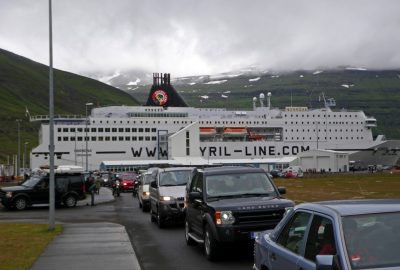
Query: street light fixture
point(86, 135)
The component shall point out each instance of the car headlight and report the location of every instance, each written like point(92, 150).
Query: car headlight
point(146, 193)
point(9, 195)
point(224, 217)
point(165, 198)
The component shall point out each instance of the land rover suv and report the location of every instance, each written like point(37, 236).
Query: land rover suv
point(167, 193)
point(231, 204)
point(69, 188)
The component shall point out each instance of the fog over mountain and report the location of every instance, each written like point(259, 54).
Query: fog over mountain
point(204, 37)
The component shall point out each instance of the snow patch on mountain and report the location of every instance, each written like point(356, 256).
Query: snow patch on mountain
point(134, 83)
point(255, 79)
point(217, 82)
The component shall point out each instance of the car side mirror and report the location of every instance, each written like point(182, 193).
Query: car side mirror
point(195, 196)
point(282, 190)
point(153, 184)
point(327, 262)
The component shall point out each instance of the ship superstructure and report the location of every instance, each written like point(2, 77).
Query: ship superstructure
point(143, 132)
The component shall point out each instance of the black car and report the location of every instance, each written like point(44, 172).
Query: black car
point(231, 204)
point(69, 188)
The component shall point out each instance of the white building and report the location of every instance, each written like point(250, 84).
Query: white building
point(328, 160)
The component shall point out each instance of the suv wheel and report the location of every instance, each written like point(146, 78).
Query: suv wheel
point(189, 240)
point(210, 244)
point(20, 203)
point(160, 220)
point(70, 201)
point(152, 218)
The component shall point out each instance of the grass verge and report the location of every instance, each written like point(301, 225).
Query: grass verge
point(21, 244)
point(341, 186)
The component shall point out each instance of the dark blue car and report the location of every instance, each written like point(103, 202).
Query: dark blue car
point(338, 235)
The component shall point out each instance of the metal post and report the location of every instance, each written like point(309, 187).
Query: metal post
point(51, 126)
point(25, 156)
point(19, 146)
point(86, 136)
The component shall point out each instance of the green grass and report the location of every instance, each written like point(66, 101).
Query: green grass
point(22, 244)
point(341, 186)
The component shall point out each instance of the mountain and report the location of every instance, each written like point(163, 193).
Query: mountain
point(24, 84)
point(376, 92)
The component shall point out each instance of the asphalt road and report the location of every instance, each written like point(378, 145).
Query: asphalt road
point(155, 248)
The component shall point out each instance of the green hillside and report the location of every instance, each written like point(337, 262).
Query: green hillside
point(377, 93)
point(25, 83)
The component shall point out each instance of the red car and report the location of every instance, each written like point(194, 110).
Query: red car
point(128, 181)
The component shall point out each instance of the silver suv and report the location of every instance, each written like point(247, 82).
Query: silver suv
point(144, 190)
point(167, 193)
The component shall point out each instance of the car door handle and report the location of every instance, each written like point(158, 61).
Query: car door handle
point(273, 257)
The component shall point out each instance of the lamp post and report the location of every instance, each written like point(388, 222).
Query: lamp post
point(86, 135)
point(25, 156)
point(19, 145)
point(51, 126)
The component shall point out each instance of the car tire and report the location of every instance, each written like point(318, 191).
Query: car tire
point(160, 220)
point(140, 204)
point(210, 244)
point(152, 218)
point(70, 201)
point(189, 240)
point(20, 203)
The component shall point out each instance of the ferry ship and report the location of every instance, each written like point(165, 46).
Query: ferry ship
point(166, 127)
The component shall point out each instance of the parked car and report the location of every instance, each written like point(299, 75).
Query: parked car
point(342, 235)
point(127, 180)
point(395, 170)
point(293, 172)
point(69, 188)
point(144, 190)
point(167, 193)
point(230, 204)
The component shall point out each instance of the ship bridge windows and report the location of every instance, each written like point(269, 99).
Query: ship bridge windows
point(80, 138)
point(127, 138)
point(94, 138)
point(114, 138)
point(120, 130)
point(127, 129)
point(72, 139)
point(107, 138)
point(101, 138)
point(140, 138)
point(114, 129)
point(107, 129)
point(147, 129)
point(93, 129)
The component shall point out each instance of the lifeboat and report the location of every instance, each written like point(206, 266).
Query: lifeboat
point(208, 131)
point(253, 136)
point(235, 131)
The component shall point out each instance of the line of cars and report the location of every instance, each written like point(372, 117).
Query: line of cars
point(226, 205)
point(218, 206)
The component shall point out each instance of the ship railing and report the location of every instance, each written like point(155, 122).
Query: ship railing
point(56, 117)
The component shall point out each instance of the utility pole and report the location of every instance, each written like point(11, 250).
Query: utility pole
point(51, 126)
point(86, 135)
point(26, 161)
point(19, 146)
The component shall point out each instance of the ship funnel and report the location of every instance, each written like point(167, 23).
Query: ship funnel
point(254, 103)
point(269, 100)
point(262, 97)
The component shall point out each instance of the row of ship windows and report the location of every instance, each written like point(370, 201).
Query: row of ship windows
point(323, 123)
point(140, 122)
point(327, 115)
point(107, 129)
point(325, 138)
point(319, 130)
point(233, 122)
point(108, 138)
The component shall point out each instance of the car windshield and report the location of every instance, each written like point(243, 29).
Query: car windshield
point(147, 179)
point(174, 178)
point(373, 241)
point(239, 184)
point(128, 177)
point(31, 182)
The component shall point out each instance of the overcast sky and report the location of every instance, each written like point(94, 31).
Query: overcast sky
point(191, 37)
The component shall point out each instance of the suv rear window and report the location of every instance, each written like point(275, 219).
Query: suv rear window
point(239, 185)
